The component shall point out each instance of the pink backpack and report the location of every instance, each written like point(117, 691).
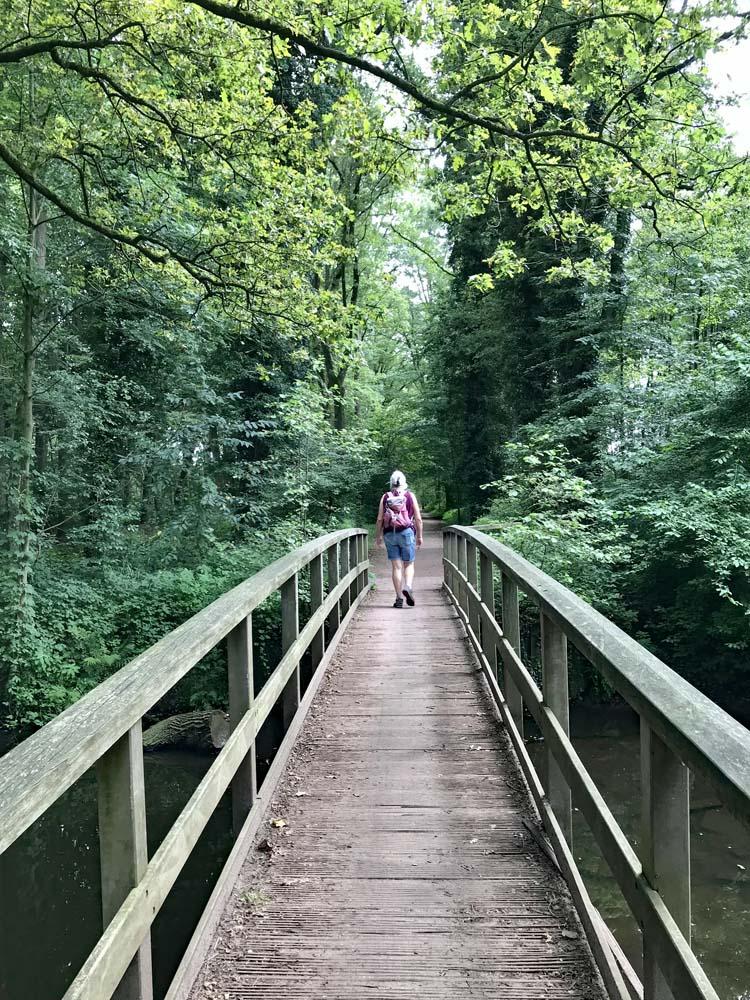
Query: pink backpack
point(398, 511)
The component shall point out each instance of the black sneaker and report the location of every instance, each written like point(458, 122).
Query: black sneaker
point(409, 598)
point(398, 603)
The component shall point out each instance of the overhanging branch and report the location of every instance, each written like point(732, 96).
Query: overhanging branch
point(31, 49)
point(147, 246)
point(432, 105)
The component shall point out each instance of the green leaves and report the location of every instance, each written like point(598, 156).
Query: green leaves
point(558, 520)
point(268, 275)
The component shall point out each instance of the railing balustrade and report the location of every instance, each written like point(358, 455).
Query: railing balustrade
point(104, 729)
point(681, 731)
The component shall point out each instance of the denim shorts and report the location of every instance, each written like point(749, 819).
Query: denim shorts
point(400, 544)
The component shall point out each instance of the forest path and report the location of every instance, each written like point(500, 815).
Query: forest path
point(404, 868)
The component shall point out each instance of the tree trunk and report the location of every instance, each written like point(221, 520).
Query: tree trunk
point(339, 414)
point(24, 502)
point(335, 383)
point(20, 495)
point(615, 306)
point(194, 730)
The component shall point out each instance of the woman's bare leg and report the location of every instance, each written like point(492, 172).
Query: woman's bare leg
point(408, 575)
point(397, 573)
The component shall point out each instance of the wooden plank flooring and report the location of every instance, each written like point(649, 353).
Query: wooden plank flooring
point(404, 868)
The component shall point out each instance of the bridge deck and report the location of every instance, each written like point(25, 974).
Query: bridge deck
point(405, 868)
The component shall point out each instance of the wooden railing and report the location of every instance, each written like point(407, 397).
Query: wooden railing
point(681, 731)
point(104, 729)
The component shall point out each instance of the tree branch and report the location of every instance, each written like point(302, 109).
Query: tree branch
point(22, 52)
point(429, 104)
point(144, 244)
point(106, 80)
point(427, 253)
point(323, 51)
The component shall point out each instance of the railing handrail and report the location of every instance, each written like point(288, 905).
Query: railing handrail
point(681, 730)
point(34, 774)
point(697, 730)
point(105, 728)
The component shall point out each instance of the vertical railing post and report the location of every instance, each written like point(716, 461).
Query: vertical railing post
point(512, 632)
point(487, 592)
point(123, 847)
point(241, 694)
point(362, 558)
point(451, 554)
point(332, 557)
point(289, 633)
point(318, 642)
point(665, 839)
point(344, 553)
point(353, 560)
point(556, 698)
point(471, 575)
point(461, 563)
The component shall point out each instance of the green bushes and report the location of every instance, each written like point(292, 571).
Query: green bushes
point(556, 518)
point(89, 622)
point(662, 547)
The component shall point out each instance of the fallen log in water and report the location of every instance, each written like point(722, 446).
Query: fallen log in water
point(197, 730)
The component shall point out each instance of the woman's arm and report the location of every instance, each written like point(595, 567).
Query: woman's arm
point(417, 519)
point(379, 523)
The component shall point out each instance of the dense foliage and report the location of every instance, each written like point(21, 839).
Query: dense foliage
point(253, 256)
point(632, 487)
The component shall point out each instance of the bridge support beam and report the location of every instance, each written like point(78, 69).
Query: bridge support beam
point(665, 839)
point(122, 845)
point(450, 542)
point(555, 693)
point(363, 551)
point(512, 631)
point(487, 593)
point(241, 696)
point(318, 644)
point(353, 560)
point(332, 558)
point(471, 576)
point(289, 632)
point(463, 593)
point(345, 567)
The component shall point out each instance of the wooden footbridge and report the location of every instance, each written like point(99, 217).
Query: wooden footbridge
point(401, 843)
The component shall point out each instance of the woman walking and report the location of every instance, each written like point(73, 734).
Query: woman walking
point(399, 523)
